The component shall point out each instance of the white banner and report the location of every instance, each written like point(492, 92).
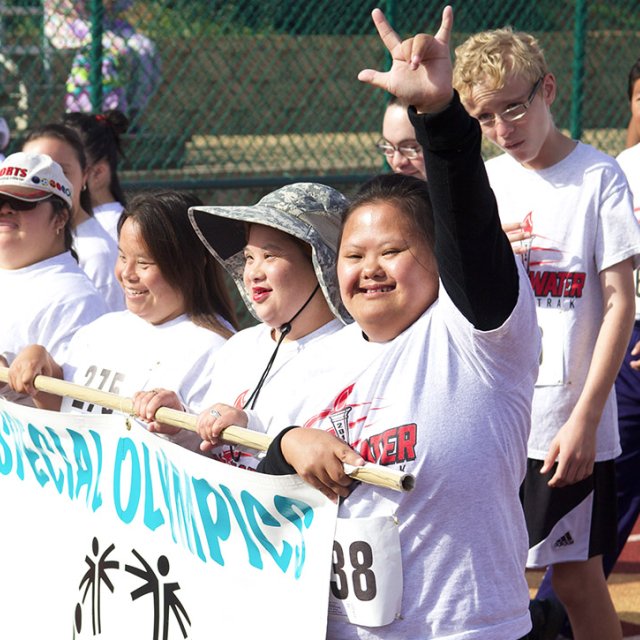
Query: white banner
point(109, 533)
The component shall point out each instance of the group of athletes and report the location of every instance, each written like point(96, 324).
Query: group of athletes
point(460, 320)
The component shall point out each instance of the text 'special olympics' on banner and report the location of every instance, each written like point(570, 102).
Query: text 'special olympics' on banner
point(116, 533)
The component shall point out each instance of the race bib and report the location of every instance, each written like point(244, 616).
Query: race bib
point(366, 580)
point(551, 323)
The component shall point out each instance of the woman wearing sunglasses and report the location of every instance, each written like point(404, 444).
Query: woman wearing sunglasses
point(45, 295)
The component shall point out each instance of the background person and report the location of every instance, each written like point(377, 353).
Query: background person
point(571, 209)
point(96, 249)
point(130, 64)
point(46, 296)
point(178, 315)
point(398, 142)
point(101, 137)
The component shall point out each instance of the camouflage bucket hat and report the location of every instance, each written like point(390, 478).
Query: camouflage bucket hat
point(305, 210)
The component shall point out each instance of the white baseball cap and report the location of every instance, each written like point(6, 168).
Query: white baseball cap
point(32, 177)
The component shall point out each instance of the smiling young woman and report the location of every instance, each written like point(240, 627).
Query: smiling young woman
point(281, 255)
point(279, 277)
point(47, 296)
point(436, 294)
point(386, 266)
point(178, 314)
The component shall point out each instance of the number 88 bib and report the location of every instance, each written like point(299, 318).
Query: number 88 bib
point(366, 581)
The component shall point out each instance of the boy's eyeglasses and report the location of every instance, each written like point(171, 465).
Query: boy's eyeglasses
point(20, 205)
point(409, 151)
point(516, 112)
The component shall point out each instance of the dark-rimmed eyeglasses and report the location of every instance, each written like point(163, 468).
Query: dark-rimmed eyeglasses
point(512, 114)
point(20, 205)
point(409, 151)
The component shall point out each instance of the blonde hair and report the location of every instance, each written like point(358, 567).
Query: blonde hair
point(490, 56)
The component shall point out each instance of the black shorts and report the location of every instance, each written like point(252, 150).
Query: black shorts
point(572, 523)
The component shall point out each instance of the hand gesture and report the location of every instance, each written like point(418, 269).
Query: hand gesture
point(421, 70)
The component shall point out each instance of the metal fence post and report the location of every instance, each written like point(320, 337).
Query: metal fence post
point(95, 73)
point(577, 91)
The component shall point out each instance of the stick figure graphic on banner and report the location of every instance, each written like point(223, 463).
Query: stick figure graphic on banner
point(170, 602)
point(94, 577)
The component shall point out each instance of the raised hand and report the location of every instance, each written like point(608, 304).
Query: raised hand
point(421, 70)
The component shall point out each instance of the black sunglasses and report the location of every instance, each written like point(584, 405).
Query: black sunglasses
point(20, 205)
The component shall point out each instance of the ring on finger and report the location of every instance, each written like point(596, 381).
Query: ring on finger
point(216, 414)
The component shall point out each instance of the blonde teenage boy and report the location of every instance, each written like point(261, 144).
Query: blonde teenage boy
point(568, 212)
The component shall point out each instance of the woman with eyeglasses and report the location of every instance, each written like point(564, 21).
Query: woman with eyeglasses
point(46, 296)
point(398, 142)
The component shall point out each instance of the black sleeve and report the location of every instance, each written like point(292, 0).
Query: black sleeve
point(274, 463)
point(476, 263)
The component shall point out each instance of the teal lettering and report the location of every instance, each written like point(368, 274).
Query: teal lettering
point(6, 459)
point(126, 449)
point(82, 456)
point(32, 456)
point(217, 530)
point(253, 506)
point(163, 472)
point(255, 558)
point(300, 514)
point(58, 445)
point(96, 502)
point(184, 514)
point(153, 517)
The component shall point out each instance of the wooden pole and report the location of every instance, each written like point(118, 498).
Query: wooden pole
point(369, 473)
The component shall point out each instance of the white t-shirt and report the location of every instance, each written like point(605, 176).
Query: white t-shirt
point(629, 161)
point(579, 212)
point(108, 215)
point(45, 303)
point(122, 353)
point(97, 253)
point(238, 369)
point(450, 405)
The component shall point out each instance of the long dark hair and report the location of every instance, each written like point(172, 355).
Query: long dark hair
point(408, 194)
point(68, 135)
point(185, 263)
point(100, 135)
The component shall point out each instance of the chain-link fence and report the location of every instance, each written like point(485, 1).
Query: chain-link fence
point(228, 94)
